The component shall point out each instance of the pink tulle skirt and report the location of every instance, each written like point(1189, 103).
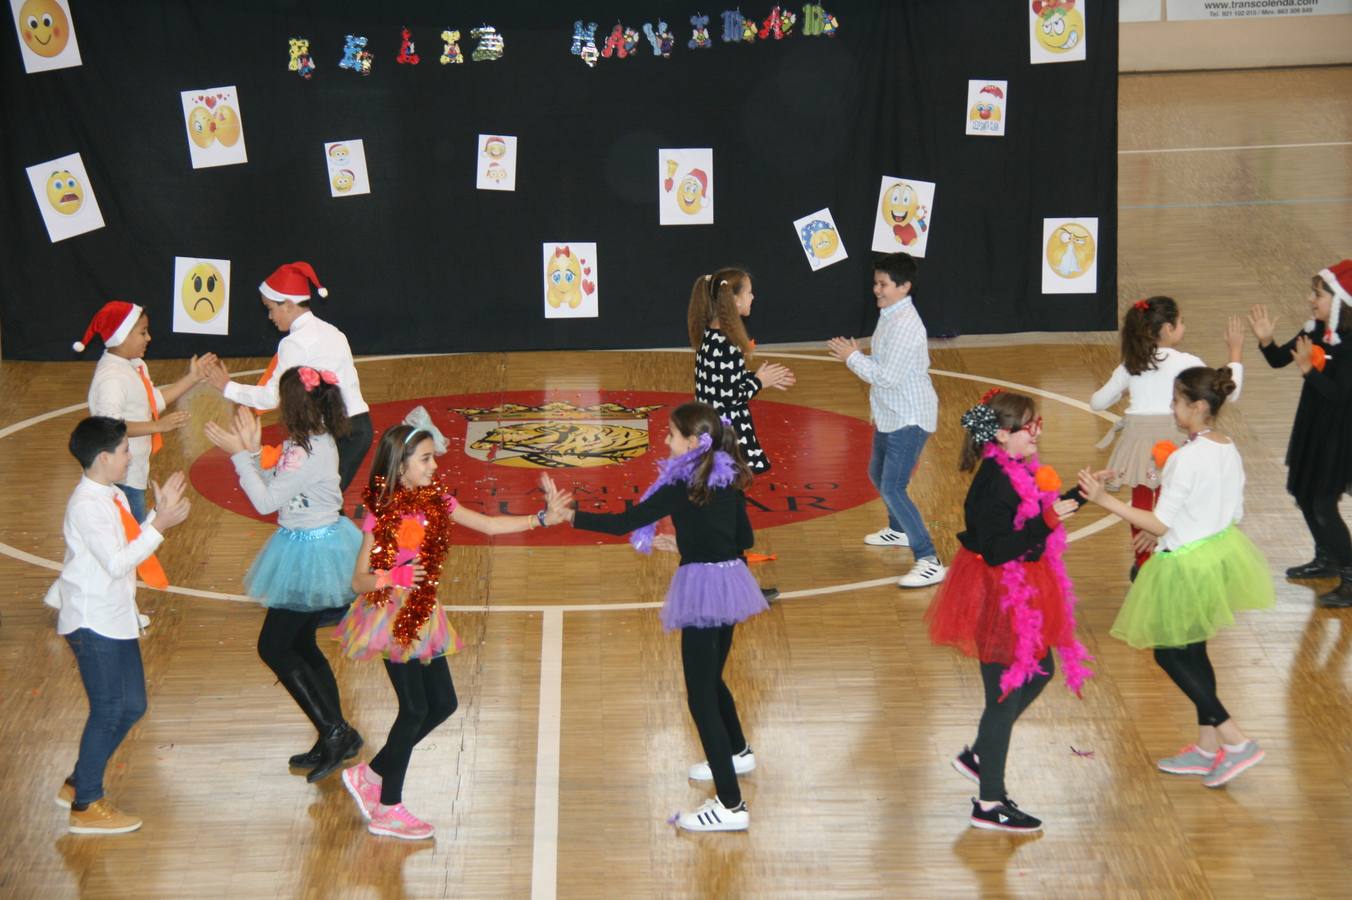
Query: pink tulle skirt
point(366, 632)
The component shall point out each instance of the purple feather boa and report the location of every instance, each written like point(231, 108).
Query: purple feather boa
point(679, 469)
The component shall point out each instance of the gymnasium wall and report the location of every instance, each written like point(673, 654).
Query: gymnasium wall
point(427, 263)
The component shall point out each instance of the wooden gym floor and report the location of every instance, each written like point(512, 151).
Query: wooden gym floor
point(570, 746)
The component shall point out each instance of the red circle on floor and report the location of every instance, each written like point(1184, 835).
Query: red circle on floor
point(819, 458)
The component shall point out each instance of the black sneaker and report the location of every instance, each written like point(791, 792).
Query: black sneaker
point(966, 764)
point(1004, 816)
point(771, 594)
point(1319, 567)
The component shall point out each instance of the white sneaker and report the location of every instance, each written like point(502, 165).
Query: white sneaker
point(741, 764)
point(887, 538)
point(924, 573)
point(714, 816)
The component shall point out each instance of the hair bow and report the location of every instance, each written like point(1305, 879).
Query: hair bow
point(421, 421)
point(311, 377)
point(986, 397)
point(981, 423)
point(1142, 305)
point(563, 251)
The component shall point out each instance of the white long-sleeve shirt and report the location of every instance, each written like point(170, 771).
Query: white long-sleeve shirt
point(1201, 492)
point(97, 586)
point(897, 371)
point(314, 343)
point(1152, 392)
point(116, 391)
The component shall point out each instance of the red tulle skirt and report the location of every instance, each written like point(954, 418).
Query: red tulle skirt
point(966, 614)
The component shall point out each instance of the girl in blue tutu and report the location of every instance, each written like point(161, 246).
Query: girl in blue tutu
point(305, 568)
point(1204, 570)
point(701, 488)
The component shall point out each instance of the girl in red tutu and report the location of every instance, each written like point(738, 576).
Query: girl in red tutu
point(1007, 600)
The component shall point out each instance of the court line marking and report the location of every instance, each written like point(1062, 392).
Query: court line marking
point(1235, 147)
point(545, 865)
point(1226, 204)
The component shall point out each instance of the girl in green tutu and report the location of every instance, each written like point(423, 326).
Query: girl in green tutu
point(1204, 570)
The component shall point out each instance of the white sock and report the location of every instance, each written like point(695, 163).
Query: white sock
point(1235, 748)
point(1209, 754)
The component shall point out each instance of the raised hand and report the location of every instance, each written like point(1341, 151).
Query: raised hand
point(1234, 337)
point(171, 491)
point(199, 365)
point(1301, 353)
point(214, 371)
point(841, 348)
point(1262, 325)
point(774, 375)
point(224, 438)
point(1091, 486)
point(249, 429)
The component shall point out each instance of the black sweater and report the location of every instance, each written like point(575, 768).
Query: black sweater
point(1319, 455)
point(990, 508)
point(716, 532)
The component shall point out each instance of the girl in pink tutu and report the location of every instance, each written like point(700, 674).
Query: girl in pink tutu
point(407, 532)
point(700, 487)
point(1007, 600)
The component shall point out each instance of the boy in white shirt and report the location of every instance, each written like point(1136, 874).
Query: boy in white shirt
point(105, 550)
point(122, 389)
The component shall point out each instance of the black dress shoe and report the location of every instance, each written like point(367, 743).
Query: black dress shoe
point(1341, 596)
point(310, 758)
point(1315, 568)
point(770, 594)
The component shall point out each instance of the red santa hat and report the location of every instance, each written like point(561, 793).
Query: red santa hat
point(993, 90)
point(112, 323)
point(1338, 277)
point(291, 283)
point(703, 179)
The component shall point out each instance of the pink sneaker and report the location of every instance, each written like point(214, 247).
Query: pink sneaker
point(362, 790)
point(396, 821)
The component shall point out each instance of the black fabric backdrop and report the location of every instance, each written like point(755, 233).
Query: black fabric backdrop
point(428, 263)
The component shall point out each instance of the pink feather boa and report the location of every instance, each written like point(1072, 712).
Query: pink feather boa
point(1017, 595)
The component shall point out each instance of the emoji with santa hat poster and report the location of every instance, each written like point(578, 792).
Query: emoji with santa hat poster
point(214, 127)
point(986, 107)
point(496, 163)
point(685, 186)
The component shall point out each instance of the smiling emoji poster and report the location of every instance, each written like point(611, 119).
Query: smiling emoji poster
point(1056, 30)
point(685, 186)
point(571, 279)
point(65, 197)
point(46, 35)
point(201, 295)
point(214, 126)
point(346, 161)
point(986, 107)
point(905, 209)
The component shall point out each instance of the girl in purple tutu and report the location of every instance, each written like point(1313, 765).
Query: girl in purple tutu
point(701, 488)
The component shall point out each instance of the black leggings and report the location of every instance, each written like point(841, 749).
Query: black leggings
point(997, 723)
point(426, 699)
point(704, 652)
point(1190, 669)
point(1331, 537)
point(353, 448)
point(287, 642)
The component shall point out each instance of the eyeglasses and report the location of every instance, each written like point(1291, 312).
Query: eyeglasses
point(1032, 426)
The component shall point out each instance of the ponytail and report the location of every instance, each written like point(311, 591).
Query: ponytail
point(700, 420)
point(307, 412)
point(712, 297)
point(1141, 332)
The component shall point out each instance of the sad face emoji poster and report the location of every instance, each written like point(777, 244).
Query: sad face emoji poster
point(201, 295)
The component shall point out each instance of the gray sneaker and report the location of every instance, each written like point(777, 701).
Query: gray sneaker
point(1229, 765)
point(1189, 761)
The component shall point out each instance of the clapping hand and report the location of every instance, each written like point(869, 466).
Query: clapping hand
point(774, 375)
point(1064, 509)
point(558, 504)
point(1091, 485)
point(199, 365)
point(841, 348)
point(245, 437)
point(1234, 337)
point(1301, 353)
point(173, 421)
point(1263, 325)
point(214, 371)
point(171, 505)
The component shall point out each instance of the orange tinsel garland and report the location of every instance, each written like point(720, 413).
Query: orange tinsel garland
point(428, 506)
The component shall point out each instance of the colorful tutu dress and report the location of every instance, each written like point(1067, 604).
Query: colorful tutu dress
point(1007, 598)
point(1204, 569)
point(307, 563)
point(402, 624)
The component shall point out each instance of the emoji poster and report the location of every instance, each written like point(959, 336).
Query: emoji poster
point(1056, 30)
point(65, 197)
point(570, 281)
point(496, 163)
point(820, 239)
point(46, 35)
point(685, 186)
point(1069, 256)
point(201, 295)
point(215, 129)
point(347, 168)
point(902, 222)
point(986, 107)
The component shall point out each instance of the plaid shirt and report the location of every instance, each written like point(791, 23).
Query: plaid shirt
point(897, 370)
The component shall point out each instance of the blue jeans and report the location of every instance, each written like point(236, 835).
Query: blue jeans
point(895, 454)
point(136, 502)
point(116, 686)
